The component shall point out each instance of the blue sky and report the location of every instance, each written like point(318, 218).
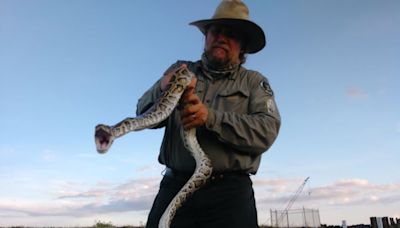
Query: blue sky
point(66, 66)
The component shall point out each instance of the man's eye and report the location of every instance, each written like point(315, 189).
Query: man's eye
point(216, 31)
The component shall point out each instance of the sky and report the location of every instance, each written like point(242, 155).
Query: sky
point(66, 66)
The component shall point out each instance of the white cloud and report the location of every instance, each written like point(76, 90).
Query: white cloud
point(80, 200)
point(73, 199)
point(351, 183)
point(339, 193)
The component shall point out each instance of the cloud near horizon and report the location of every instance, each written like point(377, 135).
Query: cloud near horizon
point(138, 195)
point(339, 193)
point(134, 195)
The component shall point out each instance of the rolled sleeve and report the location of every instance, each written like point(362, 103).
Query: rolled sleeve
point(149, 98)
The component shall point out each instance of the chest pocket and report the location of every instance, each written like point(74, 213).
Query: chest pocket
point(233, 100)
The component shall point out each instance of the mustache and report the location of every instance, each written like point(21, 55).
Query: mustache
point(220, 44)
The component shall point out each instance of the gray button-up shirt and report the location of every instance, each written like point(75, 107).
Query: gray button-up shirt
point(243, 121)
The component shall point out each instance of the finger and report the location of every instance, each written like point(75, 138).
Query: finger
point(191, 87)
point(193, 83)
point(189, 122)
point(190, 110)
point(164, 85)
point(198, 117)
point(189, 126)
point(171, 70)
point(188, 92)
point(190, 100)
point(187, 119)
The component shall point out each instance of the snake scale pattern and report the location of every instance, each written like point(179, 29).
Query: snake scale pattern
point(105, 136)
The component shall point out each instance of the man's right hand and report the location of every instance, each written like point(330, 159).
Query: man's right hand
point(168, 75)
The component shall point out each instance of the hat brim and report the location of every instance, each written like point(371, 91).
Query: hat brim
point(255, 37)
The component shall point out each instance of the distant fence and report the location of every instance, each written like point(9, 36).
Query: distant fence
point(295, 218)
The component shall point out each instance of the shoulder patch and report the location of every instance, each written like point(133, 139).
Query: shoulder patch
point(266, 88)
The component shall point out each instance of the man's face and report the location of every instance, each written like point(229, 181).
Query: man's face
point(222, 45)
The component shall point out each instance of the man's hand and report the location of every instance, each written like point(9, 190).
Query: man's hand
point(168, 75)
point(193, 112)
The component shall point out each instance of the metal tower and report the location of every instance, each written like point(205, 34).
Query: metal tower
point(292, 200)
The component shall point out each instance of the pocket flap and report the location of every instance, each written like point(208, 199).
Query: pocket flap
point(232, 92)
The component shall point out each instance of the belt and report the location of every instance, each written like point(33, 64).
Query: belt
point(172, 173)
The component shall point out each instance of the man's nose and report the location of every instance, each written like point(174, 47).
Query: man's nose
point(221, 38)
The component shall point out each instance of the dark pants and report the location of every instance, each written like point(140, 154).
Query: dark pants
point(224, 202)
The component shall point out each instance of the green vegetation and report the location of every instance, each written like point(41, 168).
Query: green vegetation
point(100, 224)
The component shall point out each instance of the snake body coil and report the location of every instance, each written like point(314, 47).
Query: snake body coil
point(105, 135)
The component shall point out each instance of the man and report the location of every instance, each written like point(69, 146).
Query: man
point(234, 112)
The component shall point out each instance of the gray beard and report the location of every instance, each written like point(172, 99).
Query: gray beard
point(216, 63)
point(225, 64)
point(218, 70)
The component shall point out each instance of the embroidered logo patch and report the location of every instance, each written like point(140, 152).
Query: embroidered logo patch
point(267, 88)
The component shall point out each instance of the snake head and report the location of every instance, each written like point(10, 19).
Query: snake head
point(103, 138)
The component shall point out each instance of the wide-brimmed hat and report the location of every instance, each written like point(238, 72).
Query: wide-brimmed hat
point(235, 13)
